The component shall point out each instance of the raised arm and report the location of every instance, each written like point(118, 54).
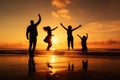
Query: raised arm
point(76, 27)
point(87, 35)
point(54, 28)
point(38, 20)
point(79, 36)
point(63, 26)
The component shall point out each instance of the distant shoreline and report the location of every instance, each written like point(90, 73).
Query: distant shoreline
point(96, 52)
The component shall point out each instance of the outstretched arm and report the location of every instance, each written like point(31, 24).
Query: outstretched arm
point(79, 36)
point(63, 26)
point(38, 20)
point(54, 28)
point(76, 27)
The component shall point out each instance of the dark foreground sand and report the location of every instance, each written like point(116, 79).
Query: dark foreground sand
point(63, 75)
point(15, 67)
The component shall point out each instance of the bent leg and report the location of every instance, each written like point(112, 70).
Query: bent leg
point(49, 45)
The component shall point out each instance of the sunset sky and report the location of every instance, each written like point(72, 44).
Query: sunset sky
point(99, 18)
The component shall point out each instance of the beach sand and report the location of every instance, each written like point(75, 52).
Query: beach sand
point(15, 67)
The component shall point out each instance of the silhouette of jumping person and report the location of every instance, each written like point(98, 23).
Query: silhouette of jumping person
point(48, 38)
point(84, 43)
point(70, 39)
point(31, 35)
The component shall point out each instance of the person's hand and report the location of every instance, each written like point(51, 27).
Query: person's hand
point(80, 25)
point(77, 34)
point(39, 15)
point(61, 24)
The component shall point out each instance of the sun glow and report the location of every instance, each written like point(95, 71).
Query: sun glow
point(54, 40)
point(52, 58)
point(53, 49)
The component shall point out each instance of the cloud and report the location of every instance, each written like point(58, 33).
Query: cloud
point(106, 26)
point(62, 13)
point(55, 14)
point(60, 3)
point(106, 44)
point(17, 45)
point(102, 31)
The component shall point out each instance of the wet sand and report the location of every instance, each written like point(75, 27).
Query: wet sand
point(15, 67)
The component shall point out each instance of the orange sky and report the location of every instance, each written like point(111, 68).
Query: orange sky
point(99, 18)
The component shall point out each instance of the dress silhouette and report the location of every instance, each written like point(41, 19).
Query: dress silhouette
point(31, 35)
point(48, 38)
point(83, 43)
point(70, 38)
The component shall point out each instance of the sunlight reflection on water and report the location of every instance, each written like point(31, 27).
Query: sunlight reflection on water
point(59, 62)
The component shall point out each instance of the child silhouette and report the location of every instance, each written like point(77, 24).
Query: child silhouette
point(83, 43)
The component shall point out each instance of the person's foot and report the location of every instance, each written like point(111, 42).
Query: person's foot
point(47, 49)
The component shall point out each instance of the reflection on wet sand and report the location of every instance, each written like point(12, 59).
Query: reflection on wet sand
point(31, 65)
point(57, 63)
point(60, 67)
point(85, 64)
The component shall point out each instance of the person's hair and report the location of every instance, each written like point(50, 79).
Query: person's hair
point(47, 28)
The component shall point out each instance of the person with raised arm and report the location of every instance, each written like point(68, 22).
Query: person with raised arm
point(70, 39)
point(48, 38)
point(31, 35)
point(84, 43)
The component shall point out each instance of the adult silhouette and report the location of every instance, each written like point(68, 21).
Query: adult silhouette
point(48, 38)
point(31, 35)
point(70, 38)
point(83, 43)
